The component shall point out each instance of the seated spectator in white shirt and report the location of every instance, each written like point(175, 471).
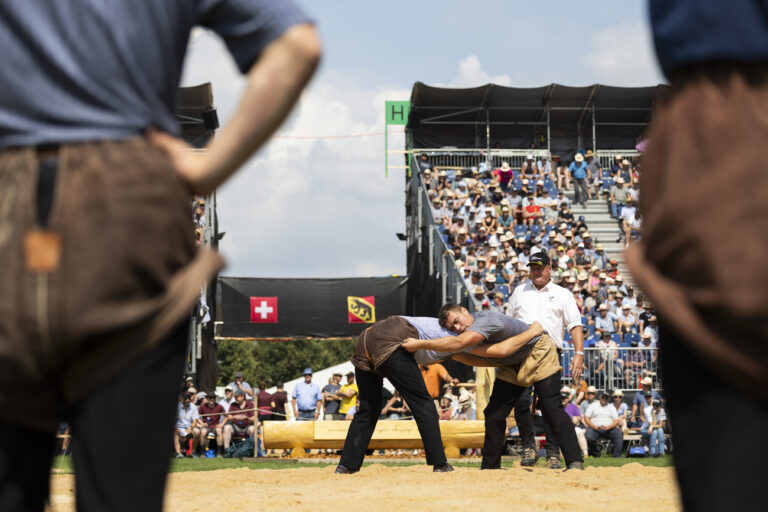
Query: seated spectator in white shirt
point(573, 411)
point(189, 426)
point(602, 420)
point(605, 321)
point(229, 397)
point(621, 407)
point(627, 320)
point(652, 330)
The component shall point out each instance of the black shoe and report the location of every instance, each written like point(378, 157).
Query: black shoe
point(442, 468)
point(530, 456)
point(575, 465)
point(341, 470)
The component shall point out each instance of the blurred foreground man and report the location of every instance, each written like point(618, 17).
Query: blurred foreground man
point(97, 250)
point(703, 254)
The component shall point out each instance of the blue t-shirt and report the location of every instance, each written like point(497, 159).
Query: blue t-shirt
point(429, 328)
point(307, 396)
point(496, 327)
point(578, 170)
point(108, 69)
point(687, 32)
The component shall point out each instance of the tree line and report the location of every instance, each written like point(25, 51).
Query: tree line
point(278, 361)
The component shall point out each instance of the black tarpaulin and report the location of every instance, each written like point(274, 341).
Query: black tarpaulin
point(517, 117)
point(305, 307)
point(196, 114)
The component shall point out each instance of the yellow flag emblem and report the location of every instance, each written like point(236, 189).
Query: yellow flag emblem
point(361, 310)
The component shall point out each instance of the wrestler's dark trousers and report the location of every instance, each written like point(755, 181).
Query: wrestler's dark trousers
point(403, 372)
point(112, 472)
point(503, 399)
point(715, 471)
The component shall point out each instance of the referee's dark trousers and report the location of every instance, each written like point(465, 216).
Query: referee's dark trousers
point(403, 372)
point(505, 396)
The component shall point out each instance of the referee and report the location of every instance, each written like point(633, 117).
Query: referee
point(554, 307)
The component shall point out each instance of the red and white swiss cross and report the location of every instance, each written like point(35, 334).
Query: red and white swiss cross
point(264, 310)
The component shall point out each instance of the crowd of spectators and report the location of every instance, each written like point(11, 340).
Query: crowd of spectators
point(494, 219)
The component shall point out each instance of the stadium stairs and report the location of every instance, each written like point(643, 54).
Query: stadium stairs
point(602, 227)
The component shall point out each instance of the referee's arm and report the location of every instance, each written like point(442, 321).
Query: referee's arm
point(573, 325)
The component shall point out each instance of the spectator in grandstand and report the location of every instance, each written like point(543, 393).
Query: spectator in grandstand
point(639, 401)
point(348, 393)
point(430, 182)
point(605, 321)
point(632, 226)
point(593, 168)
point(239, 418)
point(653, 428)
point(423, 162)
point(627, 320)
point(594, 367)
point(626, 217)
point(562, 175)
point(503, 175)
point(279, 399)
point(618, 197)
point(646, 315)
point(634, 364)
point(446, 409)
point(580, 174)
point(578, 387)
point(264, 402)
point(240, 384)
point(307, 398)
point(573, 412)
point(652, 331)
point(498, 305)
point(622, 409)
point(590, 397)
point(532, 214)
point(544, 166)
point(528, 169)
point(229, 397)
point(188, 426)
point(602, 421)
point(331, 398)
point(215, 417)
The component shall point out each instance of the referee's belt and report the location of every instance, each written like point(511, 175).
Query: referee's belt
point(307, 410)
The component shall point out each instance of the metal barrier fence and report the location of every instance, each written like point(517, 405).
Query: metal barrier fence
point(616, 368)
point(607, 156)
point(440, 261)
point(465, 159)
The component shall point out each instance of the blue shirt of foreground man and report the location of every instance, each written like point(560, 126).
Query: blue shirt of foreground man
point(533, 361)
point(96, 242)
point(378, 353)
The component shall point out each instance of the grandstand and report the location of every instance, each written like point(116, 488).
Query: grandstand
point(493, 146)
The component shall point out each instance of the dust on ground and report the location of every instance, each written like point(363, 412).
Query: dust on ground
point(381, 487)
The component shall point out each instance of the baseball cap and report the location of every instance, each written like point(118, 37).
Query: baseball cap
point(337, 373)
point(591, 389)
point(647, 381)
point(307, 371)
point(350, 374)
point(540, 258)
point(238, 374)
point(239, 392)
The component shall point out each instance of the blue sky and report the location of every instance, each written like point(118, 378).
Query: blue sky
point(322, 207)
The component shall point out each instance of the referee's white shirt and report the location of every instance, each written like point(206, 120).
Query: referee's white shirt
point(553, 307)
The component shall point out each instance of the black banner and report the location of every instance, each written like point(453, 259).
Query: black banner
point(324, 308)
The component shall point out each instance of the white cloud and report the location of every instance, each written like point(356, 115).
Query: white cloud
point(623, 55)
point(472, 74)
point(311, 207)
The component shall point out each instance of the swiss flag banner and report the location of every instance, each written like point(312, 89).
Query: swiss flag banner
point(263, 310)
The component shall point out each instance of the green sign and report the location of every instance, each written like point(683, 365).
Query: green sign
point(397, 112)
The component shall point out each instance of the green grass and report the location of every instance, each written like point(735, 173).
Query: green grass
point(64, 464)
